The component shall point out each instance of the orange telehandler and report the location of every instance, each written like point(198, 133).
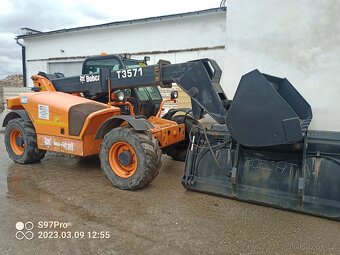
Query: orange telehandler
point(96, 113)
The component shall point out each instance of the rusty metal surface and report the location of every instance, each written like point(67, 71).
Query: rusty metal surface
point(301, 177)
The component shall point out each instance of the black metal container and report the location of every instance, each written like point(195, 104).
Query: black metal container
point(302, 177)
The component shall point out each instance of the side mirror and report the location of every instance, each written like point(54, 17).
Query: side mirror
point(146, 58)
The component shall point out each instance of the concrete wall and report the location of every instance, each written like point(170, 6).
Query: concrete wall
point(181, 34)
point(299, 40)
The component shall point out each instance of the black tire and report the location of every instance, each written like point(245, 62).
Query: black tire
point(158, 152)
point(31, 153)
point(147, 153)
point(179, 150)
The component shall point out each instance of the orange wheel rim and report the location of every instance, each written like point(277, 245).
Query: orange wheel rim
point(13, 139)
point(123, 159)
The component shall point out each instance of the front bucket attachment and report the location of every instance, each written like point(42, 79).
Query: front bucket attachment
point(302, 177)
point(266, 111)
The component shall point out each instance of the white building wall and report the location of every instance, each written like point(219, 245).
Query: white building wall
point(299, 40)
point(181, 34)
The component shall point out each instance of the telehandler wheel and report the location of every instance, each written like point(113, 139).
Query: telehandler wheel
point(21, 142)
point(130, 159)
point(178, 151)
point(158, 151)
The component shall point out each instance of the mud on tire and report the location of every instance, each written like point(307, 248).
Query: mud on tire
point(21, 142)
point(145, 163)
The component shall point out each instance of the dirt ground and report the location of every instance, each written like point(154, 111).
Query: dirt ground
point(163, 218)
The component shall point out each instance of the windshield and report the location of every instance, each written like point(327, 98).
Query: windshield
point(131, 63)
point(148, 93)
point(93, 66)
point(154, 93)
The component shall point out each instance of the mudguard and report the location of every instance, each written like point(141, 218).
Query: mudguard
point(138, 123)
point(15, 114)
point(172, 112)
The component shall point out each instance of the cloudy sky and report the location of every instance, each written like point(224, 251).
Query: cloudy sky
point(46, 15)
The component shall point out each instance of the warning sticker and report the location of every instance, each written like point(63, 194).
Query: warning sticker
point(43, 112)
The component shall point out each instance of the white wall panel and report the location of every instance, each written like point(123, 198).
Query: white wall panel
point(204, 30)
point(299, 40)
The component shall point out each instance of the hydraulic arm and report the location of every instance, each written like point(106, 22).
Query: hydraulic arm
point(199, 79)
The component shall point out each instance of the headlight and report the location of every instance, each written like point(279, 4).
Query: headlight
point(174, 94)
point(119, 95)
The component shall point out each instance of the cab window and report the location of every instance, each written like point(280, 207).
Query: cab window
point(142, 94)
point(93, 66)
point(130, 63)
point(148, 93)
point(154, 93)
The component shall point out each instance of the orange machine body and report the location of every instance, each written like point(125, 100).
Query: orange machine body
point(68, 123)
point(63, 122)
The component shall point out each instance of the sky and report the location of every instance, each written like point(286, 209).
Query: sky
point(46, 15)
